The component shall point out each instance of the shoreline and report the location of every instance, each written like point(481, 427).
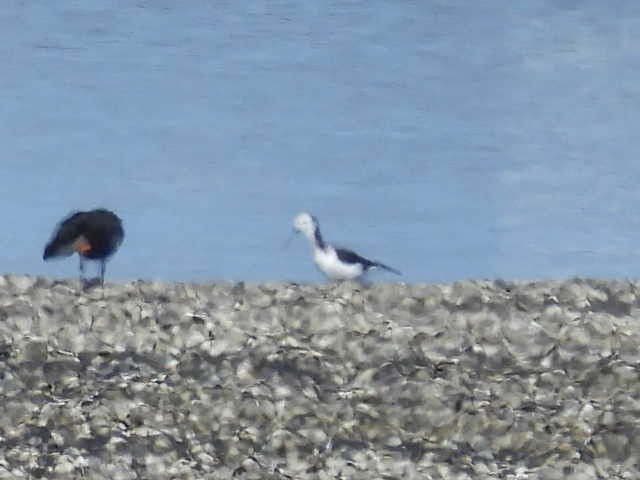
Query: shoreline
point(473, 379)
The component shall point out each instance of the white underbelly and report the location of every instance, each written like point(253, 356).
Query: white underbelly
point(328, 263)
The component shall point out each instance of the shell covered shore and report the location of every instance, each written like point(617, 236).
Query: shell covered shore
point(471, 380)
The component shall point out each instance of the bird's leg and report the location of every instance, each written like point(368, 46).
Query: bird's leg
point(81, 269)
point(103, 267)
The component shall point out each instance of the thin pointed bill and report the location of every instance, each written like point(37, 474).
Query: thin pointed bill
point(291, 237)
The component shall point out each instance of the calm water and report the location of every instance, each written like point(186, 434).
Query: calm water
point(450, 139)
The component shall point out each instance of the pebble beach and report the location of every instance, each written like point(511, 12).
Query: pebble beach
point(471, 380)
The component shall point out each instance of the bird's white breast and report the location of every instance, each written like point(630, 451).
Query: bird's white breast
point(328, 262)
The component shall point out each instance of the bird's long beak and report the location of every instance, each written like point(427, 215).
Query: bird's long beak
point(288, 242)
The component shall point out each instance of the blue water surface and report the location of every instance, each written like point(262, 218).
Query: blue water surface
point(450, 139)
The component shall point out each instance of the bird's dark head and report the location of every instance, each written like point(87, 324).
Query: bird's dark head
point(56, 250)
point(67, 237)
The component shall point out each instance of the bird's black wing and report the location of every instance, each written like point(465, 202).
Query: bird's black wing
point(349, 256)
point(104, 231)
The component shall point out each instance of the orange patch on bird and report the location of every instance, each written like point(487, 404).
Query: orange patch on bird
point(81, 245)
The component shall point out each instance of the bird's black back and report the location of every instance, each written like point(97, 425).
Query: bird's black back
point(101, 228)
point(349, 256)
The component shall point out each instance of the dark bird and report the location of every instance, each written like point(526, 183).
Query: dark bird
point(94, 235)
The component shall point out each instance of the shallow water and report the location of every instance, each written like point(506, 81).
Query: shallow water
point(448, 139)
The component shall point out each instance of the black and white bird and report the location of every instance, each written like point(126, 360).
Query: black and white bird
point(336, 263)
point(94, 235)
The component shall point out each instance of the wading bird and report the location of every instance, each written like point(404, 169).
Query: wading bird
point(336, 263)
point(93, 235)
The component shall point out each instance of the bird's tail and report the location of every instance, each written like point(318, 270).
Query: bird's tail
point(386, 267)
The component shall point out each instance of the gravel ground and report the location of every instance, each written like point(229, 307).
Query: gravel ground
point(470, 380)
